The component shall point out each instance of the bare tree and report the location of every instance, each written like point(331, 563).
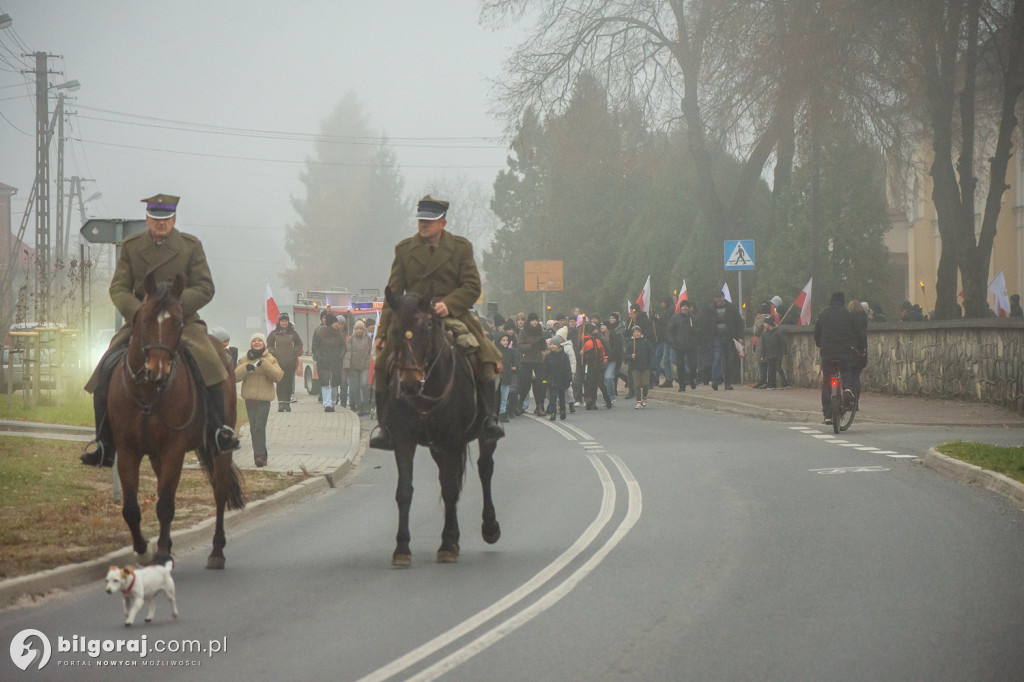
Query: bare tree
point(740, 77)
point(969, 56)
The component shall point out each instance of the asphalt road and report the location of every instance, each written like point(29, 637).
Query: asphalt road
point(664, 544)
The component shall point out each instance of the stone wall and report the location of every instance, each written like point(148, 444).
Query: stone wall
point(978, 360)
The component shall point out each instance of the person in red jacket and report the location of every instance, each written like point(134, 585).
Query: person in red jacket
point(594, 359)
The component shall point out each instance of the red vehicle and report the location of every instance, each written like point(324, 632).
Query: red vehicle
point(365, 305)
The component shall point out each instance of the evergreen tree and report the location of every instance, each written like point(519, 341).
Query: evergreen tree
point(353, 212)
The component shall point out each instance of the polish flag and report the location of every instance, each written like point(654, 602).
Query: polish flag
point(683, 296)
point(272, 311)
point(997, 287)
point(725, 292)
point(803, 301)
point(644, 299)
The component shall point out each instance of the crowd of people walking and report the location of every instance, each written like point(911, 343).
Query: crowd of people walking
point(574, 359)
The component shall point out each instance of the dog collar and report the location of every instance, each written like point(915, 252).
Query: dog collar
point(129, 588)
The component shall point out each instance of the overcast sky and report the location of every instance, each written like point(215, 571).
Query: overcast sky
point(151, 71)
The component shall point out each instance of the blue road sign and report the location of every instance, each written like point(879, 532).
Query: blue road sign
point(739, 254)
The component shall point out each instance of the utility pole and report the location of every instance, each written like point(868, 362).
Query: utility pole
point(42, 186)
point(60, 252)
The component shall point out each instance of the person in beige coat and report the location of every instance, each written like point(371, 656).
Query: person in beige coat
point(258, 371)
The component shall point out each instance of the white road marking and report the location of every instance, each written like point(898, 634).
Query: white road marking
point(831, 439)
point(848, 470)
point(485, 640)
point(587, 538)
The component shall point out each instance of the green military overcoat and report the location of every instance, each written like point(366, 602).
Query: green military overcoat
point(179, 254)
point(451, 269)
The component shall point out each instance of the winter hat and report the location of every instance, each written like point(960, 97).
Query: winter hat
point(359, 326)
point(562, 333)
point(220, 333)
point(330, 319)
point(532, 316)
point(776, 301)
point(864, 305)
point(259, 336)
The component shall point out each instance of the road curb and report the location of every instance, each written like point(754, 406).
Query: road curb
point(972, 474)
point(28, 589)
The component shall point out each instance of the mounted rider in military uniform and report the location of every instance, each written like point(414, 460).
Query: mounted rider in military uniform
point(164, 252)
point(435, 260)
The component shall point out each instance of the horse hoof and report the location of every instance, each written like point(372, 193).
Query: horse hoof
point(215, 562)
point(445, 556)
point(401, 560)
point(490, 537)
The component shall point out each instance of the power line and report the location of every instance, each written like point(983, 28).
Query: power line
point(268, 160)
point(279, 134)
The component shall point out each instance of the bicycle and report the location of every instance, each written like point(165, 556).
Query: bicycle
point(842, 401)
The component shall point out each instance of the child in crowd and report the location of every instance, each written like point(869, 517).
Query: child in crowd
point(510, 362)
point(638, 354)
point(557, 377)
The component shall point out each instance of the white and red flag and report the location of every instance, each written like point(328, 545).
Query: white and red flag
point(644, 299)
point(803, 301)
point(272, 311)
point(683, 296)
point(997, 287)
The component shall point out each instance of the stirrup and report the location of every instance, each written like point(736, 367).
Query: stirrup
point(381, 439)
point(97, 456)
point(225, 440)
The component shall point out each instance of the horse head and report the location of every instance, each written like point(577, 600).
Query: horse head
point(158, 325)
point(414, 330)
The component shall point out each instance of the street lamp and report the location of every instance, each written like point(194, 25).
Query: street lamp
point(71, 85)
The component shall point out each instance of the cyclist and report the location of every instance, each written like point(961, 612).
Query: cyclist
point(835, 335)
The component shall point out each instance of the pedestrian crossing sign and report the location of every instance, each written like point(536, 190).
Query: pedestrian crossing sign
point(739, 254)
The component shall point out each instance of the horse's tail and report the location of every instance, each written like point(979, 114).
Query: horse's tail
point(236, 496)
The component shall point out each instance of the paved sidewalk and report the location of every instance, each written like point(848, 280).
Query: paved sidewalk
point(305, 439)
point(804, 405)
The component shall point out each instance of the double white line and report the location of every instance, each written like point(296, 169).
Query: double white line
point(554, 594)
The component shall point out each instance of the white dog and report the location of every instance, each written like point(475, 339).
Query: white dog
point(138, 585)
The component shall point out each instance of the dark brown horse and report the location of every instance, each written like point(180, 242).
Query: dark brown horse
point(432, 402)
point(155, 407)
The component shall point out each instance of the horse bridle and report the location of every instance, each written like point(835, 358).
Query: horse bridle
point(425, 371)
point(141, 377)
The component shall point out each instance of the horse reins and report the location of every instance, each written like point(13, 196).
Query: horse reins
point(435, 401)
point(138, 380)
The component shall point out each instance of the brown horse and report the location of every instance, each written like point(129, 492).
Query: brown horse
point(432, 401)
point(156, 407)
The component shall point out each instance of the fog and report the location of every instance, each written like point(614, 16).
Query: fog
point(172, 96)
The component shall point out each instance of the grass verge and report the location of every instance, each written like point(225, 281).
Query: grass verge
point(74, 409)
point(1003, 460)
point(57, 512)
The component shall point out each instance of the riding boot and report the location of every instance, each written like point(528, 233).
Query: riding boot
point(382, 439)
point(100, 452)
point(491, 428)
point(221, 435)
